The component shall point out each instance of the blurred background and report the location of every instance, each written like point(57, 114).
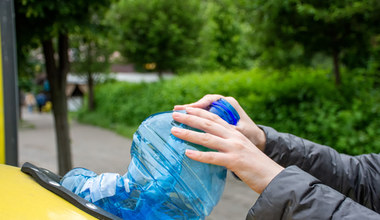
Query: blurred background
point(311, 68)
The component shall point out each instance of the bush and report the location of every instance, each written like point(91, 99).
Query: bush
point(302, 101)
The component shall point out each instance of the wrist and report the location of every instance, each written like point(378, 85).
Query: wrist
point(265, 181)
point(257, 137)
point(261, 139)
point(260, 174)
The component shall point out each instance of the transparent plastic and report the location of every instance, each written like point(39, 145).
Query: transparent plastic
point(161, 182)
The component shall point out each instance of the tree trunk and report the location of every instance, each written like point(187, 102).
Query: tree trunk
point(336, 67)
point(57, 79)
point(90, 83)
point(160, 75)
point(90, 80)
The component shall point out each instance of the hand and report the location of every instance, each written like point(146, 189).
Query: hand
point(245, 125)
point(235, 151)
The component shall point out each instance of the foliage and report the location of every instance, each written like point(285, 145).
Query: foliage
point(302, 102)
point(164, 32)
point(91, 52)
point(291, 31)
point(46, 23)
point(225, 37)
point(91, 48)
point(51, 18)
point(30, 67)
point(56, 16)
point(89, 55)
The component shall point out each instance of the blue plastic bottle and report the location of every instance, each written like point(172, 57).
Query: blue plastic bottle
point(161, 182)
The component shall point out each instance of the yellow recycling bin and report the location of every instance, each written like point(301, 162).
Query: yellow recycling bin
point(31, 193)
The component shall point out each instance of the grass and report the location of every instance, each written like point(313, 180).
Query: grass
point(94, 118)
point(26, 125)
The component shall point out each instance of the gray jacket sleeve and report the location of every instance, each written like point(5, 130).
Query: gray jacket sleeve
point(318, 182)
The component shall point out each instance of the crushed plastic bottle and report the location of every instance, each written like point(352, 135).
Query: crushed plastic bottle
point(161, 182)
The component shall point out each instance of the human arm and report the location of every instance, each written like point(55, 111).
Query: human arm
point(285, 193)
point(354, 176)
point(295, 194)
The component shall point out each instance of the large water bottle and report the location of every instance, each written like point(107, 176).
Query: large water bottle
point(161, 182)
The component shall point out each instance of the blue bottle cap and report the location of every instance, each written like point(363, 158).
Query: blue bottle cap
point(225, 110)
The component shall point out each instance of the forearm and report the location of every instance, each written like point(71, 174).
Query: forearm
point(318, 160)
point(294, 194)
point(356, 177)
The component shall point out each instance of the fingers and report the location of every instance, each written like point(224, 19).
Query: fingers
point(203, 120)
point(202, 103)
point(205, 101)
point(205, 114)
point(179, 107)
point(204, 139)
point(208, 157)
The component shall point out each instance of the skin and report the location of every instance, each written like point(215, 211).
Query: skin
point(239, 148)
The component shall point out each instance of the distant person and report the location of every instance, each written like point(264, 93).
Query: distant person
point(297, 179)
point(30, 101)
point(41, 101)
point(46, 85)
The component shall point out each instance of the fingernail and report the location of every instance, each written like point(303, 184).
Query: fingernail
point(176, 115)
point(179, 107)
point(189, 109)
point(189, 152)
point(176, 130)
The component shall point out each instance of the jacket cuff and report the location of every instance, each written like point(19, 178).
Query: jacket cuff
point(271, 136)
point(295, 194)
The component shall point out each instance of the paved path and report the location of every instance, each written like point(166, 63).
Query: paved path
point(101, 150)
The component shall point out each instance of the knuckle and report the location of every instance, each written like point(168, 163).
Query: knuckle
point(238, 145)
point(185, 133)
point(206, 124)
point(186, 117)
point(208, 97)
point(231, 100)
point(207, 157)
point(205, 138)
point(214, 117)
point(212, 97)
point(211, 158)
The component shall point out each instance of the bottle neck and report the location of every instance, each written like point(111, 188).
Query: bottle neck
point(225, 110)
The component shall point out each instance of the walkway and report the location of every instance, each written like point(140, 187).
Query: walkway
point(103, 151)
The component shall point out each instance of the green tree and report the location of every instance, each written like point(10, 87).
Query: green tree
point(90, 56)
point(90, 53)
point(48, 23)
point(225, 36)
point(300, 29)
point(163, 32)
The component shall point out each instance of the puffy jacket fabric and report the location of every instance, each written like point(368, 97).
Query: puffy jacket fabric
point(318, 182)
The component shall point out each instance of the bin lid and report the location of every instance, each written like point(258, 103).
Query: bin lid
point(23, 197)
